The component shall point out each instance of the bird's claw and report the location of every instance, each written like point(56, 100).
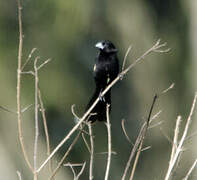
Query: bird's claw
point(101, 97)
point(121, 76)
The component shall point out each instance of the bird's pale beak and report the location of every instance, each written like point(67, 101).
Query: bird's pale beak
point(99, 45)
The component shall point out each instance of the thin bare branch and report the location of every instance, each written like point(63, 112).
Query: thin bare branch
point(91, 152)
point(29, 58)
point(190, 170)
point(7, 110)
point(155, 125)
point(28, 72)
point(19, 175)
point(176, 136)
point(26, 108)
point(124, 130)
point(108, 124)
point(42, 109)
point(81, 171)
point(36, 119)
point(42, 65)
point(125, 57)
point(20, 49)
point(169, 88)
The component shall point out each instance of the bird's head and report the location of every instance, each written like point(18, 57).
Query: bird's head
point(106, 47)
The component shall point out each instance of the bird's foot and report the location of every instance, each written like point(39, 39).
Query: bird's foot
point(121, 75)
point(101, 97)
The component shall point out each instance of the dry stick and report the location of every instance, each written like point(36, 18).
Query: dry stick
point(109, 143)
point(65, 155)
point(155, 47)
point(180, 144)
point(125, 57)
point(28, 59)
point(19, 175)
point(82, 169)
point(175, 139)
point(91, 152)
point(45, 128)
point(19, 86)
point(36, 118)
point(142, 138)
point(190, 170)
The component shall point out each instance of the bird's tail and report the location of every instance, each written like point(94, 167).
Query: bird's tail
point(99, 111)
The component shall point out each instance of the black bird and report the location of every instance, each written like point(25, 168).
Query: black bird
point(105, 70)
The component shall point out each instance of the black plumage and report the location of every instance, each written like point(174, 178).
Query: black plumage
point(106, 69)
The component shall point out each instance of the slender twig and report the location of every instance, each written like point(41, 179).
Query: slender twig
point(45, 62)
point(109, 143)
point(28, 59)
point(190, 170)
point(125, 57)
point(19, 175)
point(180, 144)
point(142, 138)
point(156, 46)
point(81, 171)
point(175, 140)
point(45, 127)
point(91, 152)
point(26, 108)
point(64, 157)
point(20, 48)
point(36, 118)
point(7, 110)
point(124, 131)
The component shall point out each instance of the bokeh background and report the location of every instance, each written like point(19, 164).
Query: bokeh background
point(66, 32)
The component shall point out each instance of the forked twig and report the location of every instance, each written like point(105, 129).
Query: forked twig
point(76, 177)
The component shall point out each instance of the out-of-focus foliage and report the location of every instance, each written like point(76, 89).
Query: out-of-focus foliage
point(66, 32)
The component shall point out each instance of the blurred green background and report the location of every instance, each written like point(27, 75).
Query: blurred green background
point(66, 32)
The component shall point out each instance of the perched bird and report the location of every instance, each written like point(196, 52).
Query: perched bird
point(105, 70)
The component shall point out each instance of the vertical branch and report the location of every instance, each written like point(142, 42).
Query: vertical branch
point(91, 152)
point(20, 48)
point(36, 118)
point(45, 128)
point(109, 144)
